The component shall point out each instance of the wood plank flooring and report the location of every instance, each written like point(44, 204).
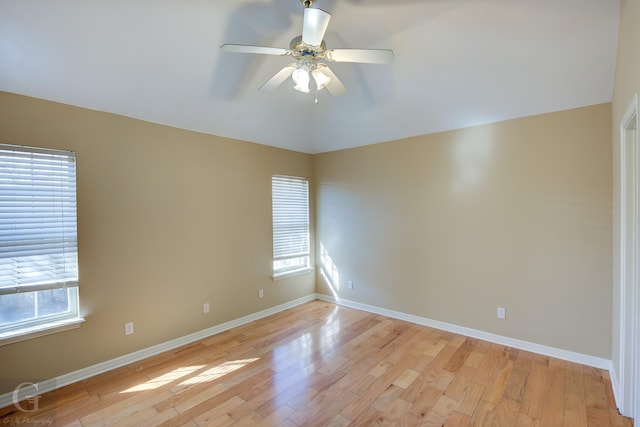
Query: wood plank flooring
point(319, 364)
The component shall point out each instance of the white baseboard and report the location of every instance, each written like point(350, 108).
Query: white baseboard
point(8, 399)
point(615, 385)
point(558, 353)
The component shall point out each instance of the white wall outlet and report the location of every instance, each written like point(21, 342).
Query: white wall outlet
point(205, 307)
point(128, 328)
point(261, 293)
point(350, 284)
point(502, 313)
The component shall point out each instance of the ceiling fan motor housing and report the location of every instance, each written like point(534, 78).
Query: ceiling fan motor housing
point(301, 50)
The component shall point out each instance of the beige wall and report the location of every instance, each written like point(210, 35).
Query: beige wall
point(450, 226)
point(627, 84)
point(446, 226)
point(167, 220)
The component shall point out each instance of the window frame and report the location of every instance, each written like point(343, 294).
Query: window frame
point(304, 255)
point(60, 185)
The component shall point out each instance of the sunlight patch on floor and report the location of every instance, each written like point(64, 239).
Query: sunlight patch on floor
point(167, 378)
point(218, 371)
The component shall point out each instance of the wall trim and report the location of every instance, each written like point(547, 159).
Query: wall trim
point(615, 386)
point(627, 386)
point(9, 398)
point(584, 359)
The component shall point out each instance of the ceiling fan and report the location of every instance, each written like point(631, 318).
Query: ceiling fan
point(309, 50)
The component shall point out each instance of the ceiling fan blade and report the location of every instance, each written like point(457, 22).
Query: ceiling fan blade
point(280, 77)
point(366, 56)
point(334, 86)
point(314, 26)
point(241, 48)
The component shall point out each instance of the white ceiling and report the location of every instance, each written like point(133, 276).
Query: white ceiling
point(457, 63)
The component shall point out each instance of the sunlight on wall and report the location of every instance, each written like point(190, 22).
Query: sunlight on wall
point(329, 271)
point(471, 158)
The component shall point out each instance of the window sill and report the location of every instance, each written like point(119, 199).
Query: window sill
point(40, 330)
point(284, 275)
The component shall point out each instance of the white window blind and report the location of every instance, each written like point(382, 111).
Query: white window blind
point(38, 235)
point(290, 204)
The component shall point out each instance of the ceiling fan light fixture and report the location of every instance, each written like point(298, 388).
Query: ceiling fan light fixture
point(321, 79)
point(301, 78)
point(303, 89)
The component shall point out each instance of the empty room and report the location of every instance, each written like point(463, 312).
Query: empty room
point(314, 213)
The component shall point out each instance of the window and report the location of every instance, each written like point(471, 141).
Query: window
point(290, 204)
point(38, 241)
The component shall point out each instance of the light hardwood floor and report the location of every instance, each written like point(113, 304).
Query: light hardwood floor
point(320, 364)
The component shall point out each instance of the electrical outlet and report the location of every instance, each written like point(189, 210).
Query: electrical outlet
point(502, 313)
point(350, 284)
point(261, 293)
point(205, 308)
point(128, 328)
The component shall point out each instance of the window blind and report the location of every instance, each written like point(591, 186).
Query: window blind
point(290, 219)
point(38, 237)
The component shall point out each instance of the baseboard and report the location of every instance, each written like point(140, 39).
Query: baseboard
point(9, 398)
point(558, 353)
point(615, 386)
